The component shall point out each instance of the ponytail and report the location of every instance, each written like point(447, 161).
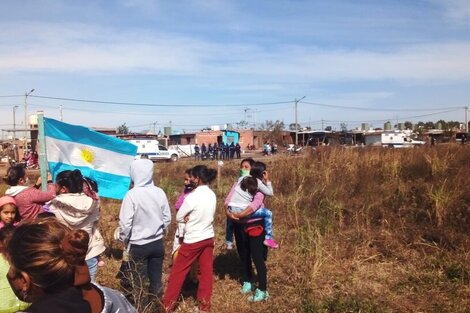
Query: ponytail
point(48, 252)
point(14, 174)
point(205, 174)
point(72, 180)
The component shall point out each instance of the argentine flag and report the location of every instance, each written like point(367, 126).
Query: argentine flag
point(103, 158)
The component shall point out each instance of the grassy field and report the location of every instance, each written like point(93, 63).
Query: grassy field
point(361, 230)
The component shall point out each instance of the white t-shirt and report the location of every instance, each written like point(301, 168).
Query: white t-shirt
point(200, 206)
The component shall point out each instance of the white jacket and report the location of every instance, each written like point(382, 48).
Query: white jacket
point(78, 211)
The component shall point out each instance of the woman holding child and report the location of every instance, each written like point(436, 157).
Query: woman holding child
point(250, 235)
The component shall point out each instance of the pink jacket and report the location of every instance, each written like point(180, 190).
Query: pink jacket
point(181, 198)
point(29, 200)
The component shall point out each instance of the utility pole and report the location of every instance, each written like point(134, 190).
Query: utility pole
point(15, 148)
point(14, 122)
point(26, 94)
point(466, 119)
point(61, 115)
point(297, 125)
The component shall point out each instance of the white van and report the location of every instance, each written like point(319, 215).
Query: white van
point(400, 139)
point(154, 150)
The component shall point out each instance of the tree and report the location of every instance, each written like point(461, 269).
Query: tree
point(292, 126)
point(328, 128)
point(408, 125)
point(123, 129)
point(242, 125)
point(274, 130)
point(429, 125)
point(344, 127)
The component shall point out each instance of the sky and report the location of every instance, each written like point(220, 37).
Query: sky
point(195, 64)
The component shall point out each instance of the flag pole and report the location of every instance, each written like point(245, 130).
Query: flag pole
point(42, 151)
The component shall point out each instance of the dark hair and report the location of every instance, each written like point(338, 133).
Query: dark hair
point(257, 169)
point(249, 160)
point(44, 215)
point(188, 171)
point(205, 174)
point(92, 183)
point(48, 252)
point(5, 234)
point(250, 184)
point(14, 174)
point(72, 180)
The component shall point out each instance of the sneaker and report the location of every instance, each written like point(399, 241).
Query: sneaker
point(271, 243)
point(246, 288)
point(229, 245)
point(259, 296)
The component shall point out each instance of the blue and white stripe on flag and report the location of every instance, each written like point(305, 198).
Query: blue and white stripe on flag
point(100, 157)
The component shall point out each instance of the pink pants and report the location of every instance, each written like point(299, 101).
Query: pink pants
point(187, 255)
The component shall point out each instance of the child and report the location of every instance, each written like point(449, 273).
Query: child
point(9, 302)
point(179, 234)
point(9, 214)
point(77, 210)
point(242, 196)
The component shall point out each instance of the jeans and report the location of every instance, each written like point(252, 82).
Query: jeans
point(147, 261)
point(229, 231)
point(92, 267)
point(264, 213)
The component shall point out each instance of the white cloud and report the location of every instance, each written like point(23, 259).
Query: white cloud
point(82, 48)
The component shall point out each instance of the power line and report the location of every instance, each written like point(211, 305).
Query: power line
point(147, 113)
point(386, 120)
point(375, 109)
point(157, 104)
point(11, 96)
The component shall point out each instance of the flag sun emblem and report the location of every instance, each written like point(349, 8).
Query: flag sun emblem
point(87, 155)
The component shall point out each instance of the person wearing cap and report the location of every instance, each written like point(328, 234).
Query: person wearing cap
point(9, 214)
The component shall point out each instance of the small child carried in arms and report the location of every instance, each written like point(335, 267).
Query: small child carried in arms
point(242, 196)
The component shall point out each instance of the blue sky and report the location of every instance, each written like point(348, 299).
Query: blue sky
point(396, 60)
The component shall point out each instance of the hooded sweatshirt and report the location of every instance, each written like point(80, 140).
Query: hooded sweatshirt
point(30, 200)
point(145, 212)
point(78, 211)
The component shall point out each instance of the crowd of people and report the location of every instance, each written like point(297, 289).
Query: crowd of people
point(217, 151)
point(53, 245)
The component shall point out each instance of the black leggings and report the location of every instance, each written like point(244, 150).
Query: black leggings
point(251, 248)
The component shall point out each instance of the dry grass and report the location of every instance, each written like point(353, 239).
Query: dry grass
point(361, 230)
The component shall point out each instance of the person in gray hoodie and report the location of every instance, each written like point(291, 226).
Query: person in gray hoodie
point(143, 220)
